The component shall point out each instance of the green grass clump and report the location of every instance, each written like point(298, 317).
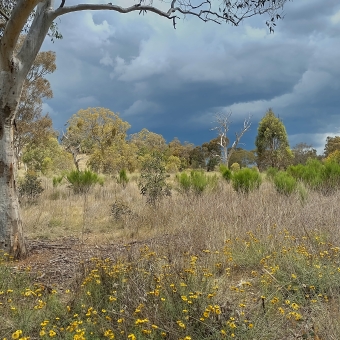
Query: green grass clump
point(246, 180)
point(82, 181)
point(226, 173)
point(123, 178)
point(197, 182)
point(56, 181)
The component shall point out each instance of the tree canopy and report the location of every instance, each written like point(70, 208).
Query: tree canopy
point(332, 144)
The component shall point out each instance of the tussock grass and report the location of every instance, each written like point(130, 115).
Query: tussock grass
point(220, 265)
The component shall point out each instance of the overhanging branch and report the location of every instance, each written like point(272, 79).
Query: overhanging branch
point(2, 12)
point(232, 12)
point(14, 26)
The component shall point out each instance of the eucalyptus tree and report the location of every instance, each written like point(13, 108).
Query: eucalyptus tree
point(36, 18)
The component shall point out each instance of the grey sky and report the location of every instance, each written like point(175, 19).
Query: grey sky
point(173, 82)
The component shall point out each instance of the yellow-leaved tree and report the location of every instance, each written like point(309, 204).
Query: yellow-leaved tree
point(99, 133)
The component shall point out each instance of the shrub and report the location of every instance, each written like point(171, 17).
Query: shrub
point(226, 173)
point(82, 181)
point(184, 181)
point(318, 176)
point(196, 182)
point(285, 183)
point(123, 178)
point(120, 209)
point(200, 181)
point(30, 186)
point(152, 182)
point(246, 180)
point(310, 174)
point(271, 172)
point(331, 177)
point(235, 167)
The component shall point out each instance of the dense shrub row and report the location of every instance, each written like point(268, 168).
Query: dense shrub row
point(315, 175)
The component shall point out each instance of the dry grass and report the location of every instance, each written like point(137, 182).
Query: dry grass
point(204, 221)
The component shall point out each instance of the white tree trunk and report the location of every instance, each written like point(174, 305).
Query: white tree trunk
point(11, 234)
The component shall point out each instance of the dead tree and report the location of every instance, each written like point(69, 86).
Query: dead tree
point(223, 125)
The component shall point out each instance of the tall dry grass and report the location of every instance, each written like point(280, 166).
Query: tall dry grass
point(199, 221)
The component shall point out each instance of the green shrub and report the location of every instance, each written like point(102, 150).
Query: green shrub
point(30, 186)
point(226, 173)
point(123, 178)
point(57, 181)
point(235, 167)
point(284, 183)
point(152, 183)
point(184, 181)
point(199, 181)
point(271, 172)
point(196, 182)
point(332, 172)
point(82, 181)
point(246, 180)
point(317, 176)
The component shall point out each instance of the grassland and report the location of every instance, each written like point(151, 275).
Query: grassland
point(220, 265)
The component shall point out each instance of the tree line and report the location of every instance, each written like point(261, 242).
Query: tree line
point(98, 138)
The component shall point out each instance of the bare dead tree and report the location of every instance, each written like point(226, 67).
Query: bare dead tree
point(223, 125)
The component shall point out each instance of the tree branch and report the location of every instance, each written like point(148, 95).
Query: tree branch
point(42, 21)
point(2, 12)
point(13, 28)
point(246, 127)
point(97, 7)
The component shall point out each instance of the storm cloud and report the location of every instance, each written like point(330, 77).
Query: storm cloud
point(173, 81)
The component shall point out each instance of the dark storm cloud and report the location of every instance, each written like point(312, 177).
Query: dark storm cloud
point(174, 81)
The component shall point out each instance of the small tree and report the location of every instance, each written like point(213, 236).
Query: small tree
point(272, 146)
point(30, 186)
point(152, 182)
